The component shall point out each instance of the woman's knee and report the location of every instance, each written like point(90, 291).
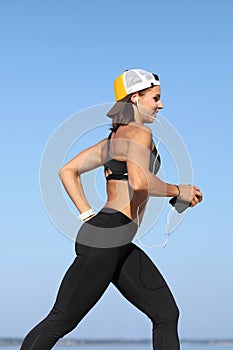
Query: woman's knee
point(173, 315)
point(61, 323)
point(167, 317)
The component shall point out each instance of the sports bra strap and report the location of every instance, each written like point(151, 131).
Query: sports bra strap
point(123, 177)
point(108, 145)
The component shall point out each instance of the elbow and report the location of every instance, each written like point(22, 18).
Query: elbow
point(64, 171)
point(61, 173)
point(139, 185)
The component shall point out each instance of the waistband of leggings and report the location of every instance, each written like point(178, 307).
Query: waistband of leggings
point(116, 214)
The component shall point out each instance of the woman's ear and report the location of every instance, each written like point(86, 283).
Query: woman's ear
point(134, 98)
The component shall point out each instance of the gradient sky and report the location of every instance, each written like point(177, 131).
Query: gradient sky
point(61, 57)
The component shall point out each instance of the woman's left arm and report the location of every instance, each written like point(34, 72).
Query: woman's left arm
point(87, 160)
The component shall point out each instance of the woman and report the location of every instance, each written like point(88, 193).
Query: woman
point(105, 252)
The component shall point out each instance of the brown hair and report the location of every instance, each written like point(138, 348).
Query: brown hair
point(122, 113)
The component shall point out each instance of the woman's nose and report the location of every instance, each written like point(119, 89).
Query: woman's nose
point(160, 104)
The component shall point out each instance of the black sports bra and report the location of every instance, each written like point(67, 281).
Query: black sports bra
point(119, 168)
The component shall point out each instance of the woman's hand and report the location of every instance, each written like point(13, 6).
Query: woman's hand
point(191, 194)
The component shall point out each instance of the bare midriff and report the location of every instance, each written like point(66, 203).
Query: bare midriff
point(120, 196)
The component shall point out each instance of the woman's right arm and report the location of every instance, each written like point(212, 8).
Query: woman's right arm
point(140, 177)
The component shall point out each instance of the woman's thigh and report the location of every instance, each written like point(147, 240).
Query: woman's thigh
point(83, 285)
point(142, 284)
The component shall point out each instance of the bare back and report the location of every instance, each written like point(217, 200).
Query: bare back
point(120, 195)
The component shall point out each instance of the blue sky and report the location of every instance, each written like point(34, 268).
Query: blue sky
point(59, 58)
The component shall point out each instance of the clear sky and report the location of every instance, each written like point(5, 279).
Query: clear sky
point(59, 58)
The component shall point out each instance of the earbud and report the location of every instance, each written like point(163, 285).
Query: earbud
point(136, 100)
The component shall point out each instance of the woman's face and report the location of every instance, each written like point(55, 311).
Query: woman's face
point(149, 103)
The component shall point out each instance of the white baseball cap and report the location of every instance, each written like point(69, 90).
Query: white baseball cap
point(130, 81)
point(133, 80)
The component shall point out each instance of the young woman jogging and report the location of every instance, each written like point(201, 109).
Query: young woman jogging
point(104, 248)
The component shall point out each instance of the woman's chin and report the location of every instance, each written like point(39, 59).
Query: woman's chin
point(150, 120)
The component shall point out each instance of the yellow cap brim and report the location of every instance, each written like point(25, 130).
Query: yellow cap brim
point(119, 88)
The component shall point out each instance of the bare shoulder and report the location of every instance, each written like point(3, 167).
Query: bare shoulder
point(139, 133)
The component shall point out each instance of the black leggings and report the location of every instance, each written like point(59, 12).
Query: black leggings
point(132, 273)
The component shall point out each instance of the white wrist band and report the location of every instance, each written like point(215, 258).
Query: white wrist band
point(86, 214)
